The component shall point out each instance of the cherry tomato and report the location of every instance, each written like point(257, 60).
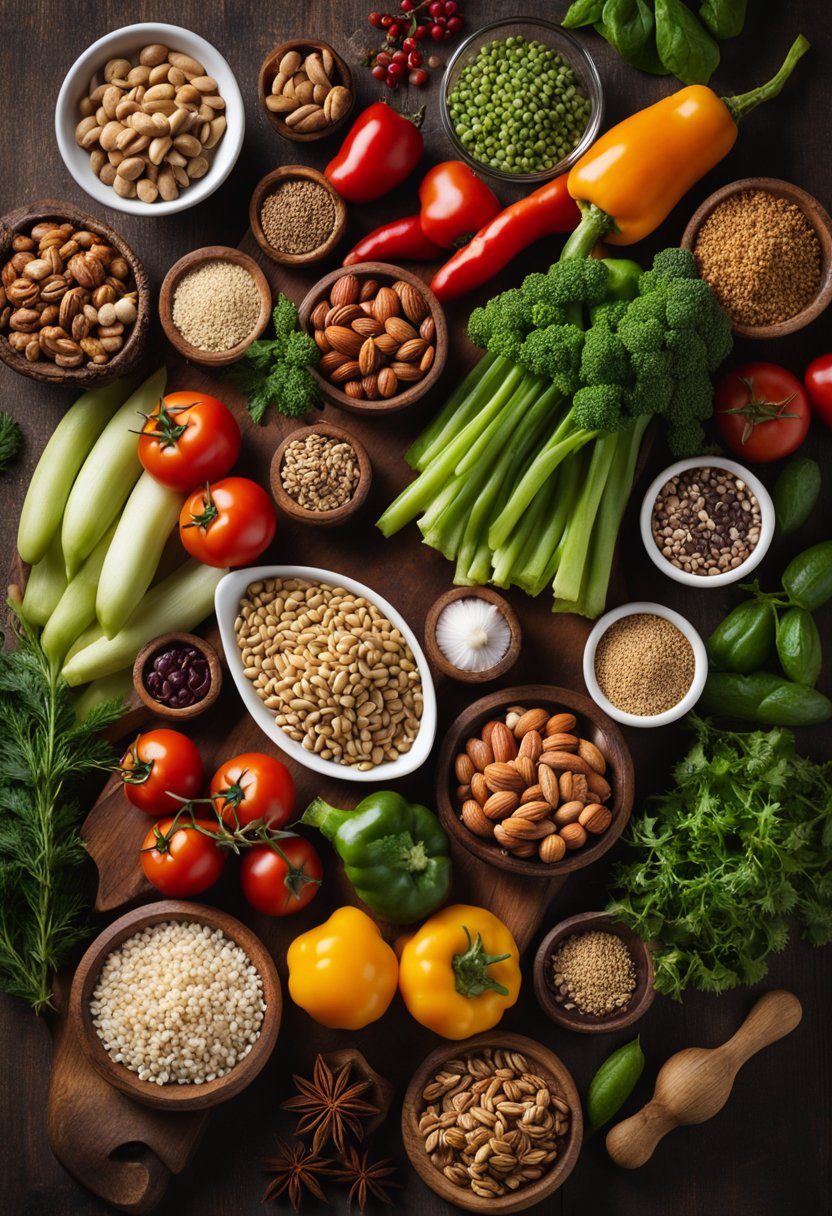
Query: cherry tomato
point(160, 763)
point(280, 885)
point(455, 204)
point(818, 381)
point(190, 438)
point(255, 786)
point(228, 523)
point(762, 412)
point(182, 863)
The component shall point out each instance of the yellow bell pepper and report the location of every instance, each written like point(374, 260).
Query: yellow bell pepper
point(633, 176)
point(460, 971)
point(342, 972)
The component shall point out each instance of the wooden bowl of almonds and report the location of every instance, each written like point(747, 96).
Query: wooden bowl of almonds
point(382, 336)
point(306, 90)
point(536, 780)
point(502, 1090)
point(74, 298)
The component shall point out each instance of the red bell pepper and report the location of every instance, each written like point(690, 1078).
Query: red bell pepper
point(455, 204)
point(546, 211)
point(402, 238)
point(381, 149)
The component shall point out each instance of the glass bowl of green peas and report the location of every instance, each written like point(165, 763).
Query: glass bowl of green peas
point(521, 100)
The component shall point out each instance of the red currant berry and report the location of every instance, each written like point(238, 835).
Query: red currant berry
point(436, 8)
point(393, 31)
point(437, 33)
point(383, 58)
point(454, 24)
point(409, 44)
point(386, 20)
point(414, 60)
point(450, 8)
point(418, 78)
point(375, 20)
point(399, 57)
point(406, 6)
point(379, 71)
point(395, 70)
point(392, 82)
point(421, 32)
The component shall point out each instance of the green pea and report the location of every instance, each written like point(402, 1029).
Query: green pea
point(614, 1082)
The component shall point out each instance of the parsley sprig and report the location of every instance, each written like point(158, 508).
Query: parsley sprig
point(275, 371)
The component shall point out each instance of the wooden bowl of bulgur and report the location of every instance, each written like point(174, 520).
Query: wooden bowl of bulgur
point(296, 216)
point(142, 1036)
point(765, 247)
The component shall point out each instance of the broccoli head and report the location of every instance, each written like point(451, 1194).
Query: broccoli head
point(692, 400)
point(554, 352)
point(610, 314)
point(653, 385)
point(685, 439)
point(544, 314)
point(599, 407)
point(575, 281)
point(604, 358)
point(637, 335)
point(300, 349)
point(509, 311)
point(689, 352)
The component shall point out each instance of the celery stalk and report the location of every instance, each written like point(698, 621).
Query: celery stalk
point(567, 584)
point(458, 410)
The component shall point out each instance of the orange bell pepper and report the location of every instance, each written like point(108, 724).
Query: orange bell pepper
point(631, 178)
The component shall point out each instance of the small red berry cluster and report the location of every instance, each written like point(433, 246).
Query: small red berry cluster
point(400, 58)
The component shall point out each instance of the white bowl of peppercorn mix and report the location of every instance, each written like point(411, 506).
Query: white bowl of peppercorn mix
point(644, 664)
point(707, 521)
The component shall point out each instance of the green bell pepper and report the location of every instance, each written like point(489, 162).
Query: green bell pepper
point(396, 853)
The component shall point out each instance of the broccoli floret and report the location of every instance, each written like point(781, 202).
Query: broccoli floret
point(295, 390)
point(653, 388)
point(481, 326)
point(604, 358)
point(507, 342)
point(675, 263)
point(692, 400)
point(510, 311)
point(719, 341)
point(284, 317)
point(300, 349)
point(686, 439)
point(688, 350)
point(689, 303)
point(649, 308)
point(580, 280)
point(554, 352)
point(599, 407)
point(610, 314)
point(641, 335)
point(544, 314)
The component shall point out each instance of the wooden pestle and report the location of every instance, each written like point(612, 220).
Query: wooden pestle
point(696, 1083)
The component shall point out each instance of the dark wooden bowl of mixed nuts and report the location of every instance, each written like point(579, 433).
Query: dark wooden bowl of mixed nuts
point(74, 298)
point(305, 89)
point(382, 336)
point(536, 780)
point(320, 475)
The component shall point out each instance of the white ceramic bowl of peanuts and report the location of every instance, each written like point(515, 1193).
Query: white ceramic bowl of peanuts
point(296, 667)
point(158, 102)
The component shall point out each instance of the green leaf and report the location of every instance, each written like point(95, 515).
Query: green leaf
point(11, 440)
point(628, 25)
point(685, 47)
point(582, 12)
point(724, 18)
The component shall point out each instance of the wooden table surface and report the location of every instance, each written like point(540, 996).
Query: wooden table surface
point(768, 1152)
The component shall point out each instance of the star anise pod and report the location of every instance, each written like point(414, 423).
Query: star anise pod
point(330, 1106)
point(296, 1169)
point(366, 1177)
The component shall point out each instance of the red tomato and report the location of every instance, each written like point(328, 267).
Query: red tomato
point(455, 204)
point(280, 883)
point(229, 523)
point(190, 438)
point(818, 380)
point(762, 412)
point(255, 786)
point(160, 763)
point(185, 863)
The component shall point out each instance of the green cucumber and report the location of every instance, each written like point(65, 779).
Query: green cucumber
point(799, 647)
point(808, 577)
point(76, 608)
point(45, 585)
point(795, 493)
point(743, 641)
point(613, 1083)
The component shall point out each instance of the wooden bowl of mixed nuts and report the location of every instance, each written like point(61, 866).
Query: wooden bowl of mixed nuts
point(382, 336)
point(536, 780)
point(305, 89)
point(502, 1090)
point(74, 298)
point(593, 975)
point(320, 475)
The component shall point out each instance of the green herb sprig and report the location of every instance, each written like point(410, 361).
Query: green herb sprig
point(740, 845)
point(275, 371)
point(44, 751)
point(11, 440)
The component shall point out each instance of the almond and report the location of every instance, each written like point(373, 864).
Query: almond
point(560, 723)
point(463, 793)
point(342, 339)
point(369, 290)
point(527, 849)
point(580, 789)
point(502, 743)
point(532, 719)
point(531, 745)
point(369, 357)
point(388, 385)
point(475, 821)
point(368, 327)
point(595, 818)
point(593, 755)
point(343, 314)
point(525, 767)
point(399, 329)
point(534, 811)
point(387, 345)
point(501, 804)
point(565, 782)
point(564, 760)
point(353, 389)
point(533, 794)
point(414, 305)
point(503, 777)
point(426, 361)
point(479, 790)
point(370, 386)
point(319, 313)
point(347, 371)
point(551, 849)
point(330, 361)
point(464, 767)
point(507, 839)
point(345, 290)
point(427, 329)
point(569, 812)
point(412, 350)
point(321, 342)
point(488, 730)
point(406, 371)
point(526, 829)
point(599, 786)
point(479, 753)
point(560, 742)
point(573, 836)
point(386, 305)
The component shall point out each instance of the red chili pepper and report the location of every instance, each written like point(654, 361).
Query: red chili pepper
point(548, 210)
point(380, 151)
point(400, 239)
point(455, 203)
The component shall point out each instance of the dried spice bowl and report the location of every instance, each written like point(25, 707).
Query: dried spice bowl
point(273, 184)
point(492, 602)
point(555, 1004)
point(335, 516)
point(564, 1102)
point(175, 1096)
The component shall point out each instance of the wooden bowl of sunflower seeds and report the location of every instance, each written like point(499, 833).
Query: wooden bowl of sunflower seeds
point(503, 1091)
point(320, 475)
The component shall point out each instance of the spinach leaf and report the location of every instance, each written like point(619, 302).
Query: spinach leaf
point(684, 45)
point(582, 12)
point(724, 18)
point(629, 27)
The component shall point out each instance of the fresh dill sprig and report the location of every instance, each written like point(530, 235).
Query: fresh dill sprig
point(11, 440)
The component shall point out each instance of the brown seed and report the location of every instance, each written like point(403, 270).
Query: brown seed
point(368, 327)
point(531, 745)
point(551, 849)
point(318, 316)
point(593, 756)
point(370, 386)
point(564, 760)
point(409, 372)
point(386, 305)
point(343, 339)
point(528, 829)
point(502, 742)
point(368, 290)
point(534, 810)
point(476, 821)
point(503, 777)
point(400, 329)
point(480, 754)
point(533, 794)
point(573, 836)
point(427, 329)
point(568, 812)
point(479, 790)
point(343, 314)
point(347, 371)
point(526, 769)
point(595, 818)
point(599, 786)
point(388, 385)
point(464, 767)
point(345, 290)
point(560, 742)
point(412, 351)
point(353, 389)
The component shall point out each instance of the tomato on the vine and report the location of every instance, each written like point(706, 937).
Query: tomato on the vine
point(228, 523)
point(190, 438)
point(253, 786)
point(158, 764)
point(762, 412)
point(181, 860)
point(280, 881)
point(818, 381)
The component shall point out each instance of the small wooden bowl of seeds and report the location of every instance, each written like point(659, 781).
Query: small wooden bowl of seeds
point(382, 335)
point(765, 247)
point(296, 216)
point(305, 88)
point(528, 1166)
point(213, 304)
point(593, 975)
point(320, 475)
